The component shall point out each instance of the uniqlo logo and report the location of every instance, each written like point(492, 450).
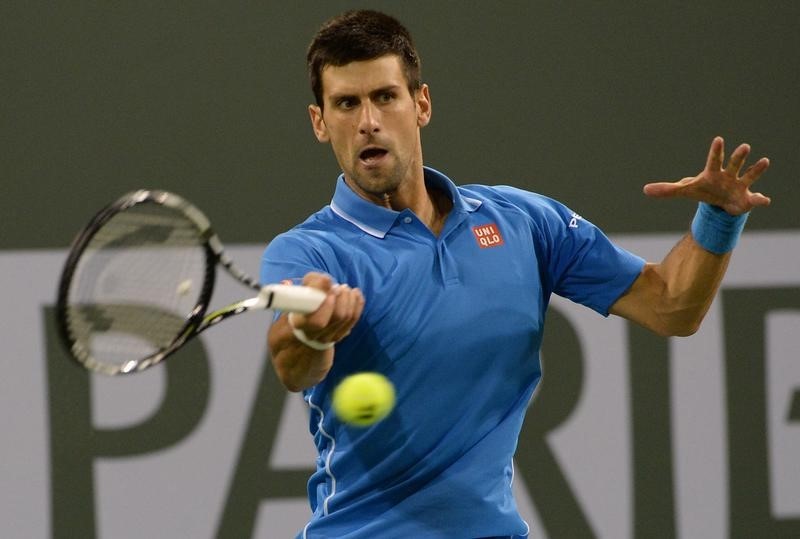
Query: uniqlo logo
point(487, 235)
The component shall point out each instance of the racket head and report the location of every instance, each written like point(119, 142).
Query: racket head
point(137, 281)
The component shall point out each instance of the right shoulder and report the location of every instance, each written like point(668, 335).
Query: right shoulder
point(321, 228)
point(321, 242)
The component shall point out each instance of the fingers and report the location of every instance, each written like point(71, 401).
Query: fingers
point(660, 189)
point(718, 186)
point(665, 189)
point(349, 303)
point(337, 315)
point(737, 160)
point(716, 154)
point(319, 280)
point(755, 171)
point(758, 199)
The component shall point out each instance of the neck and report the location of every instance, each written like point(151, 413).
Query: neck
point(436, 210)
point(429, 204)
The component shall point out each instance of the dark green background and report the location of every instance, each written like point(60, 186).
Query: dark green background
point(582, 101)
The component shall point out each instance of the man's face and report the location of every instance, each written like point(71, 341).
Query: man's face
point(372, 122)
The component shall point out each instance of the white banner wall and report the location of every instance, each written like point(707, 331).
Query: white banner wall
point(186, 450)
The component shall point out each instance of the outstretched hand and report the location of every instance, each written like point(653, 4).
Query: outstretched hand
point(716, 185)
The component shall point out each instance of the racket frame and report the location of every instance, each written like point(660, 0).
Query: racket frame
point(196, 320)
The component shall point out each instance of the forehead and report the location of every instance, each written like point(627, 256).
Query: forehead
point(363, 76)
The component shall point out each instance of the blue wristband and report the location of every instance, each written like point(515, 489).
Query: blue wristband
point(715, 229)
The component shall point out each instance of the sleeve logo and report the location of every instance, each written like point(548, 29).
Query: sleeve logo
point(573, 223)
point(487, 235)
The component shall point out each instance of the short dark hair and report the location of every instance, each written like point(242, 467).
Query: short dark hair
point(357, 36)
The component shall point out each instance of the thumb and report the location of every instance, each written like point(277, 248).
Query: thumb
point(659, 189)
point(318, 280)
point(666, 189)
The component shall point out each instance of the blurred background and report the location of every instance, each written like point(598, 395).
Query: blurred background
point(585, 102)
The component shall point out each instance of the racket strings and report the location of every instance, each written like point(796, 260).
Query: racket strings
point(139, 278)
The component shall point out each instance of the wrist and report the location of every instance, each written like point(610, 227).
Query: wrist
point(301, 336)
point(716, 230)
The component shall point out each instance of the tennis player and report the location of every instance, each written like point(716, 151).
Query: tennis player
point(444, 289)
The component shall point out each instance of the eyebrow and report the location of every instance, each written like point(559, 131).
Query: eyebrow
point(333, 98)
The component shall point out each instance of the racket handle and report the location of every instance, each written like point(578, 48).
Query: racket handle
point(286, 297)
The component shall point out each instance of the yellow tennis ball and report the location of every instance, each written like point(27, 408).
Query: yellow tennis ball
point(363, 399)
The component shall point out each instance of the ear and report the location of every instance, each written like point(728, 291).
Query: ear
point(318, 124)
point(423, 98)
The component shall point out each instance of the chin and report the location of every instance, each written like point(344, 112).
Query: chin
point(375, 183)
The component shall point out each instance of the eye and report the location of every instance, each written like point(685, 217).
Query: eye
point(386, 97)
point(346, 103)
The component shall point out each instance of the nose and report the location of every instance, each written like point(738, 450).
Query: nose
point(368, 121)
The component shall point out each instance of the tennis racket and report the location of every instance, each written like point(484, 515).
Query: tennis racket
point(138, 281)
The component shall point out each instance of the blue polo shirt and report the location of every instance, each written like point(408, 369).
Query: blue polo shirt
point(455, 322)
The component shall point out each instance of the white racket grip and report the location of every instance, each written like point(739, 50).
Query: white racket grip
point(292, 298)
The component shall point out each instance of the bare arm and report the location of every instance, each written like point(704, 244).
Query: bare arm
point(673, 296)
point(297, 365)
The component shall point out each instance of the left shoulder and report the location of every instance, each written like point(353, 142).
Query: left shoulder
point(537, 206)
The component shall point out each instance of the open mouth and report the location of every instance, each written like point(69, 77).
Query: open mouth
point(372, 155)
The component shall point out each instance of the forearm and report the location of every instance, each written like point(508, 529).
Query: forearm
point(297, 365)
point(689, 278)
point(672, 297)
point(693, 270)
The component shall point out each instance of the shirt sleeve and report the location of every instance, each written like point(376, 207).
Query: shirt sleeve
point(582, 263)
point(288, 257)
